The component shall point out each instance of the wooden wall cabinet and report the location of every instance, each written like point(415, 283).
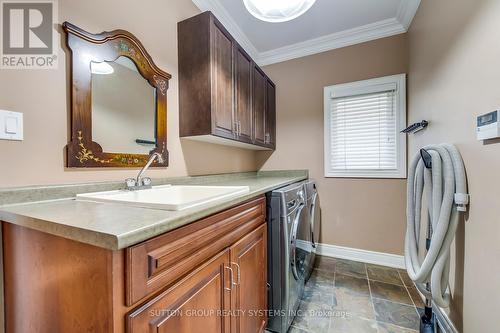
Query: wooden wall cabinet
point(270, 120)
point(207, 276)
point(264, 109)
point(259, 105)
point(223, 95)
point(243, 95)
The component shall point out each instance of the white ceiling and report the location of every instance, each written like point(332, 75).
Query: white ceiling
point(329, 24)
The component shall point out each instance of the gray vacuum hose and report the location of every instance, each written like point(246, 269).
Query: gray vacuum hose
point(446, 195)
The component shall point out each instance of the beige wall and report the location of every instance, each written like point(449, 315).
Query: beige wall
point(454, 76)
point(360, 213)
point(42, 95)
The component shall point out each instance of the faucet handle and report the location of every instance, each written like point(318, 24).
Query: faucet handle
point(146, 181)
point(130, 182)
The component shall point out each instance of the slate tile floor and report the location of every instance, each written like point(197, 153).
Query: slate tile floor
point(352, 297)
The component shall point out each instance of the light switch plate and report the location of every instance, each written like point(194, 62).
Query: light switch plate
point(11, 125)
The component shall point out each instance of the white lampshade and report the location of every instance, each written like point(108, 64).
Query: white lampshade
point(277, 10)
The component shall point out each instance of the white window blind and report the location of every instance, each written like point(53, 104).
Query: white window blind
point(363, 132)
point(362, 121)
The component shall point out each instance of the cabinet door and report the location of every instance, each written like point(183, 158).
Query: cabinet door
point(243, 85)
point(222, 81)
point(198, 303)
point(259, 105)
point(271, 115)
point(249, 262)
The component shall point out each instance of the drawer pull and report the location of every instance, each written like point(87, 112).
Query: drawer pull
point(238, 274)
point(231, 274)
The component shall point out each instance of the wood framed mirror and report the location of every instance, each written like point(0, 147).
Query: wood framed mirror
point(118, 101)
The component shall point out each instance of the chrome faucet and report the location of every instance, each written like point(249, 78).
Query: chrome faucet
point(140, 183)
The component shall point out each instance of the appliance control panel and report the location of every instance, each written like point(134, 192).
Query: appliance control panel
point(488, 126)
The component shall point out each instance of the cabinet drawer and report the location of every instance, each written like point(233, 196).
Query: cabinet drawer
point(194, 304)
point(158, 262)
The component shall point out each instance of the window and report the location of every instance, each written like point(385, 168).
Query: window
point(362, 124)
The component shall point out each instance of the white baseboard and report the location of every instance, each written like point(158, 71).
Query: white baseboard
point(371, 257)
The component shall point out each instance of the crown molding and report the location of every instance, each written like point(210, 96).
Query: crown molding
point(337, 40)
point(229, 23)
point(385, 28)
point(406, 12)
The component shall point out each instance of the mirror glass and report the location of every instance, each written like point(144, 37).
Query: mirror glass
point(123, 108)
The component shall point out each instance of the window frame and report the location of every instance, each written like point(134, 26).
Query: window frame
point(359, 88)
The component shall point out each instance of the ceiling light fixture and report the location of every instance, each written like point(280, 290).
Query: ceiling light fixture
point(277, 10)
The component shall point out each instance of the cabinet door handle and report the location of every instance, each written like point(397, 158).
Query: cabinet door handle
point(231, 274)
point(236, 128)
point(239, 128)
point(238, 273)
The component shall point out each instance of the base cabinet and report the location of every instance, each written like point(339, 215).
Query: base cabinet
point(227, 294)
point(250, 293)
point(208, 276)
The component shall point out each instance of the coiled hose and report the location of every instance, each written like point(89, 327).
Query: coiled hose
point(444, 183)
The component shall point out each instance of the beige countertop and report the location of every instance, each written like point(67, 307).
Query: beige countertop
point(117, 226)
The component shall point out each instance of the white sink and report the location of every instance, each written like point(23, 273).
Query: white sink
point(167, 197)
